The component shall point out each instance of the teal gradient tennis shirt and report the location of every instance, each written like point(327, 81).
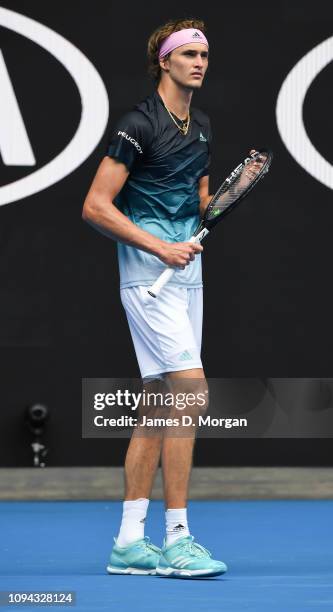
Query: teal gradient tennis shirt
point(161, 192)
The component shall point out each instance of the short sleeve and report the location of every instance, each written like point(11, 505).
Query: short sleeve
point(130, 139)
point(205, 170)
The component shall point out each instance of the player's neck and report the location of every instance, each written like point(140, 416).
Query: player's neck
point(176, 98)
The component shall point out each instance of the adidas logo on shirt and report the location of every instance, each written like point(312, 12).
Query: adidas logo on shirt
point(202, 138)
point(185, 356)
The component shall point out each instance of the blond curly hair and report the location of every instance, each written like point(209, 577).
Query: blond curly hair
point(157, 37)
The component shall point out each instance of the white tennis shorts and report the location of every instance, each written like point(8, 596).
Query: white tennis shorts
point(166, 330)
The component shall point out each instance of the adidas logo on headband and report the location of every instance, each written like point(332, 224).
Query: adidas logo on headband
point(196, 35)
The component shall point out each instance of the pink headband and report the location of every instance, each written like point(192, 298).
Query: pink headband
point(182, 37)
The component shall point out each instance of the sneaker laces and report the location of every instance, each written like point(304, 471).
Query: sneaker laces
point(196, 549)
point(148, 545)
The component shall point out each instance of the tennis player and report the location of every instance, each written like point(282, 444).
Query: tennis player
point(148, 194)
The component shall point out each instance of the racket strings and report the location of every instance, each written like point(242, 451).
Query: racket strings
point(237, 185)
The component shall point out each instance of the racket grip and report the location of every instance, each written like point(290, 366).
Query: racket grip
point(164, 278)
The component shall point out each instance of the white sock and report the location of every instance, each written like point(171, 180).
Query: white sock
point(176, 524)
point(133, 521)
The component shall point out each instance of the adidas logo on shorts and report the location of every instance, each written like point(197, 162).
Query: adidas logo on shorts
point(185, 356)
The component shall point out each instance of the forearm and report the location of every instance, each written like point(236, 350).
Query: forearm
point(111, 222)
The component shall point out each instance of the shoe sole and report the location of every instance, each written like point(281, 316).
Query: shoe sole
point(182, 573)
point(130, 570)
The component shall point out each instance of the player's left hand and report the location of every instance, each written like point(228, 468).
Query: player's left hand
point(251, 170)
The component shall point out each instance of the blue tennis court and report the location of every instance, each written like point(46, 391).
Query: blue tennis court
point(279, 554)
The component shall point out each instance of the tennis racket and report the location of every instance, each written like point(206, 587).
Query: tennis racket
point(234, 189)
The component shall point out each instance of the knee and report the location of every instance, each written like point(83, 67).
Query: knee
point(191, 396)
point(202, 398)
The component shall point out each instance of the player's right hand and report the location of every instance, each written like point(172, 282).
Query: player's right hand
point(179, 254)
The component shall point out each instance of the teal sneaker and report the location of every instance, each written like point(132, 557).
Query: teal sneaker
point(140, 557)
point(187, 559)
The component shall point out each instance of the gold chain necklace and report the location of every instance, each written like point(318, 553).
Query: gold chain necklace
point(182, 128)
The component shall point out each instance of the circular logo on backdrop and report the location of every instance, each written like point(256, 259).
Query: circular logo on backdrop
point(289, 112)
point(17, 148)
